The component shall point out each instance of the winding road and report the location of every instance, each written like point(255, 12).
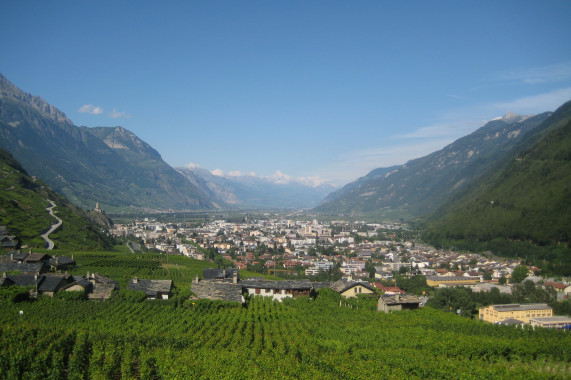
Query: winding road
point(54, 227)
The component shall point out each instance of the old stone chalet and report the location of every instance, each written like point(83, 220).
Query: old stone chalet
point(277, 290)
point(397, 302)
point(154, 289)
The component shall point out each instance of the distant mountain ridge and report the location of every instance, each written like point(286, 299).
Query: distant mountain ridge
point(247, 191)
point(423, 184)
point(88, 165)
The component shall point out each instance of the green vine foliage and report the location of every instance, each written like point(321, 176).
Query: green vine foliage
point(326, 337)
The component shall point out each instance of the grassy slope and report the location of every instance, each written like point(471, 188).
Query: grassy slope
point(23, 203)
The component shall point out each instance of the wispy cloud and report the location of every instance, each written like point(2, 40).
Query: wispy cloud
point(90, 108)
point(451, 125)
point(548, 101)
point(546, 74)
point(116, 114)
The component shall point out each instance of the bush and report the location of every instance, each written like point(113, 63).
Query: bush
point(14, 294)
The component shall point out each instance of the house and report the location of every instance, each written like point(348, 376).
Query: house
point(523, 312)
point(277, 290)
point(102, 287)
point(154, 289)
point(556, 285)
point(397, 302)
point(22, 267)
point(78, 284)
point(218, 284)
point(388, 289)
point(51, 284)
point(350, 289)
point(231, 274)
point(217, 290)
point(33, 258)
point(61, 262)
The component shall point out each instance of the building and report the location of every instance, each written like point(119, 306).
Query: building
point(523, 312)
point(441, 281)
point(154, 289)
point(278, 290)
point(397, 302)
point(556, 322)
point(218, 284)
point(351, 289)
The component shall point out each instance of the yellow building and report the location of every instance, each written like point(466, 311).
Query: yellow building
point(435, 281)
point(524, 312)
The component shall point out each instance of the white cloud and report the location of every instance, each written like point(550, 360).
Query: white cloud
point(192, 165)
point(218, 172)
point(456, 123)
point(90, 108)
point(116, 114)
point(239, 173)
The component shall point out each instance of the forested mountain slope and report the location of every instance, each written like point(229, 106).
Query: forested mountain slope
point(423, 184)
point(526, 198)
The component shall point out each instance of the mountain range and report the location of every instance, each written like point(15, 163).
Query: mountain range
point(421, 185)
point(112, 166)
point(249, 191)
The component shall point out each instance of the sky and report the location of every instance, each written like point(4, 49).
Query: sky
point(323, 91)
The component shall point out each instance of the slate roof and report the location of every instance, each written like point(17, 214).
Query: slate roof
point(268, 284)
point(151, 287)
point(400, 299)
point(61, 261)
point(220, 274)
point(52, 284)
point(22, 267)
point(218, 290)
point(342, 285)
point(37, 257)
point(25, 279)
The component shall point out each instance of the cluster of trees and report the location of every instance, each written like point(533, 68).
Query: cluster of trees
point(467, 303)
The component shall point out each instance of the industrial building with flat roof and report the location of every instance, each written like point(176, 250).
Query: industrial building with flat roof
point(521, 312)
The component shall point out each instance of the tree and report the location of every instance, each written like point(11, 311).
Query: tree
point(502, 280)
point(519, 274)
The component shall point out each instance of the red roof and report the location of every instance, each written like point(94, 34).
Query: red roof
point(385, 289)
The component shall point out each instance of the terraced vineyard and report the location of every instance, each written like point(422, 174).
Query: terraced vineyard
point(302, 338)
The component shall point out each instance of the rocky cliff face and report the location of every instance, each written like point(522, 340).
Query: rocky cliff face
point(87, 165)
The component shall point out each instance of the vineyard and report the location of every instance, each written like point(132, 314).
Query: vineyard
point(303, 338)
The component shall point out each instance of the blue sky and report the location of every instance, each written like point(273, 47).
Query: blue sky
point(321, 90)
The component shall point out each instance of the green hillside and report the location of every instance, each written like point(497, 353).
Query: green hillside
point(422, 185)
point(23, 202)
point(522, 207)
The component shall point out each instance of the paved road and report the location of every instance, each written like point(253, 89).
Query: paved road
point(49, 242)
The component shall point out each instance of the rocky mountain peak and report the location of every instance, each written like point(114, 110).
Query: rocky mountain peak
point(8, 90)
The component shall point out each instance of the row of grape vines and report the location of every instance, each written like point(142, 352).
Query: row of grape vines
point(302, 338)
